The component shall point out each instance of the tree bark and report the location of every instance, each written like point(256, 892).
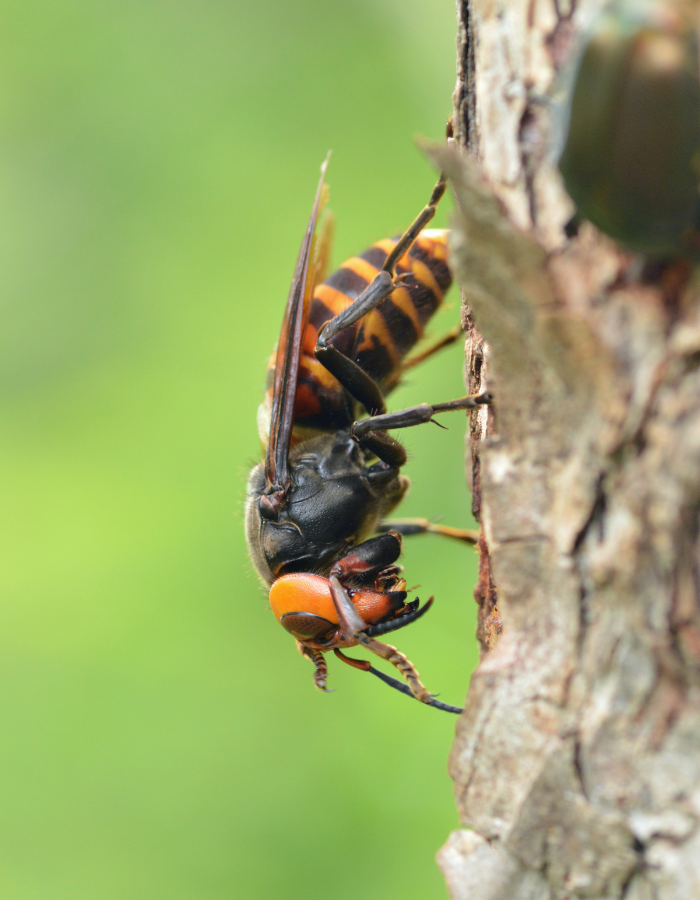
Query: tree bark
point(576, 763)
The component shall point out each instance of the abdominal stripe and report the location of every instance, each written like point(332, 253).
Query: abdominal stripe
point(348, 282)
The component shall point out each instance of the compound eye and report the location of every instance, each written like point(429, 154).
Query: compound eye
point(306, 626)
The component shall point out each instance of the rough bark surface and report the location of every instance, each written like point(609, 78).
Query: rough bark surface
point(576, 763)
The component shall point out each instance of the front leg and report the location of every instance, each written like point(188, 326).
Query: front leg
point(319, 661)
point(369, 557)
point(374, 555)
point(354, 629)
point(365, 666)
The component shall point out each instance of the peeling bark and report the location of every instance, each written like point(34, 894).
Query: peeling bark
point(576, 763)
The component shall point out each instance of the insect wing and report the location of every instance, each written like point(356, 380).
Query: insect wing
point(289, 348)
point(322, 246)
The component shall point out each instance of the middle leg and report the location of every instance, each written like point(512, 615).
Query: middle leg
point(408, 527)
point(416, 415)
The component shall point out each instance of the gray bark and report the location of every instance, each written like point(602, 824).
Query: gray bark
point(576, 763)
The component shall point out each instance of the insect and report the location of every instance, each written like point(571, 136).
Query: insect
point(631, 161)
point(316, 508)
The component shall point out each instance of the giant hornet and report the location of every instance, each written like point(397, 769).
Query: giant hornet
point(316, 508)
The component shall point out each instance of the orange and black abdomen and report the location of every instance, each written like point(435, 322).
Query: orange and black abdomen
point(379, 342)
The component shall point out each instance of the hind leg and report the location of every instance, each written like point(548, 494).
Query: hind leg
point(354, 379)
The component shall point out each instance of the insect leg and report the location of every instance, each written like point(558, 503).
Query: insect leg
point(408, 237)
point(349, 374)
point(373, 557)
point(411, 615)
point(402, 663)
point(319, 661)
point(364, 666)
point(353, 628)
point(383, 282)
point(354, 379)
point(370, 556)
point(384, 447)
point(377, 290)
point(424, 526)
point(400, 686)
point(415, 415)
point(351, 623)
point(445, 341)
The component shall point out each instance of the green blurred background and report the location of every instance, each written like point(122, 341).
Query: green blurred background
point(161, 736)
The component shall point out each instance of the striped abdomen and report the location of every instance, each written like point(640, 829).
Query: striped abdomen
point(379, 342)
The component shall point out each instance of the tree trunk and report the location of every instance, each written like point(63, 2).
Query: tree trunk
point(576, 763)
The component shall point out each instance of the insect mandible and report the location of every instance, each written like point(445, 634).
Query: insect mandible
point(316, 509)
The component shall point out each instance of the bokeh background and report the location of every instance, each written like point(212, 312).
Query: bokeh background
point(161, 736)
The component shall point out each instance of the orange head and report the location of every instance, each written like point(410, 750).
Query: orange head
point(303, 605)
